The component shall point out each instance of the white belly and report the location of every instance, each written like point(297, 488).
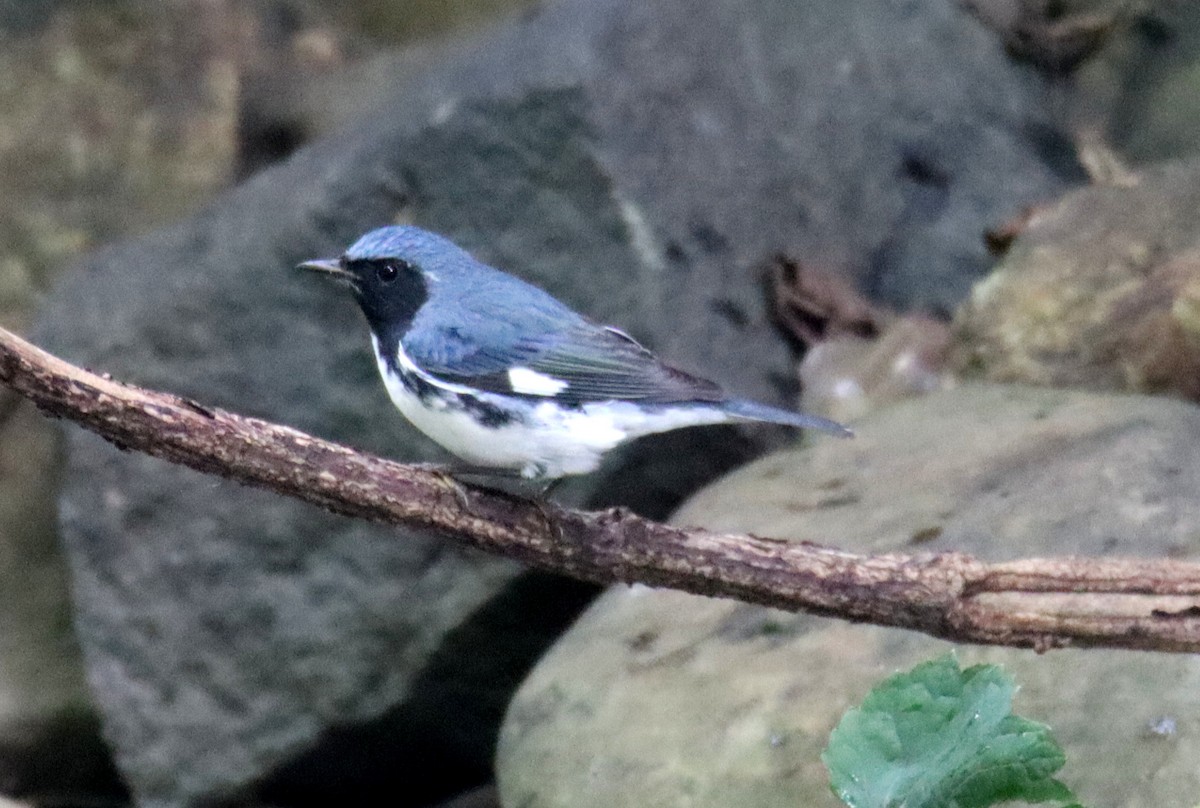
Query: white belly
point(543, 440)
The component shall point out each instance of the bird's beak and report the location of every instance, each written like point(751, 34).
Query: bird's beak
point(331, 267)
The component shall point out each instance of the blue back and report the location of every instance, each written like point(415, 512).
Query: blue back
point(479, 322)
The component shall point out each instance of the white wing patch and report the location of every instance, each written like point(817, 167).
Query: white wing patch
point(546, 441)
point(529, 382)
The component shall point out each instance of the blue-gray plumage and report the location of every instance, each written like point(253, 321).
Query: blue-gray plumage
point(504, 375)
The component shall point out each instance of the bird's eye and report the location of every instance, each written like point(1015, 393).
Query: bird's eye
point(388, 271)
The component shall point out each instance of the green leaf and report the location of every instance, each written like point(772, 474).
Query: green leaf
point(939, 736)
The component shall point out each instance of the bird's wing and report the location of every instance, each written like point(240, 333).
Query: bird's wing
point(569, 360)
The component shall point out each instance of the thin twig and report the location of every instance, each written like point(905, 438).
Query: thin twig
point(1150, 605)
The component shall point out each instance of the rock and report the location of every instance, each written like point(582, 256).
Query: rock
point(659, 698)
point(228, 634)
point(256, 623)
point(719, 169)
point(1099, 291)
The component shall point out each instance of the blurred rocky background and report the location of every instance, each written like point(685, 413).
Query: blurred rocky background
point(880, 209)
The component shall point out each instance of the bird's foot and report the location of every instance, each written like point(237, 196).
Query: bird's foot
point(454, 473)
point(447, 477)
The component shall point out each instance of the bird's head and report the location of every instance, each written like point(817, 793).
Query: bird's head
point(392, 272)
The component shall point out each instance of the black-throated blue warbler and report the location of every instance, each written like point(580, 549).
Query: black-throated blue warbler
point(505, 376)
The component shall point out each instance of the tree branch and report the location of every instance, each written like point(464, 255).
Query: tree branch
point(1038, 603)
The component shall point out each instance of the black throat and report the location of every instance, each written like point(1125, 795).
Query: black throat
point(389, 307)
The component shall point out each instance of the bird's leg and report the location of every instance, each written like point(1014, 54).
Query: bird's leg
point(457, 473)
point(541, 499)
point(454, 472)
point(548, 487)
point(467, 470)
point(542, 486)
point(446, 474)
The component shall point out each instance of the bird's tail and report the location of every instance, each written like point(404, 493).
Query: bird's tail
point(753, 411)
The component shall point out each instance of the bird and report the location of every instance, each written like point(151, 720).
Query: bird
point(506, 377)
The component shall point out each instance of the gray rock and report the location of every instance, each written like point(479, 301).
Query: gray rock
point(229, 626)
point(658, 698)
point(638, 161)
point(882, 141)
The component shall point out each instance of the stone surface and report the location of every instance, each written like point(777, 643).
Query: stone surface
point(662, 698)
point(1101, 290)
point(230, 635)
point(226, 625)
